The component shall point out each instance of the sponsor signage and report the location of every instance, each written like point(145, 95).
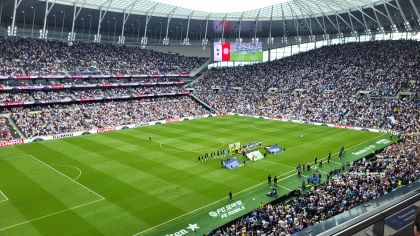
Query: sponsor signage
point(186, 230)
point(371, 148)
point(11, 142)
point(343, 126)
point(56, 136)
point(19, 103)
point(228, 210)
point(89, 76)
point(22, 77)
point(105, 130)
point(383, 141)
point(402, 218)
point(172, 120)
point(367, 149)
point(87, 99)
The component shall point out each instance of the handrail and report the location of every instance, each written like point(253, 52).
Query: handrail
point(369, 213)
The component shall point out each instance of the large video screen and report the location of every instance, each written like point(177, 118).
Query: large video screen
point(228, 51)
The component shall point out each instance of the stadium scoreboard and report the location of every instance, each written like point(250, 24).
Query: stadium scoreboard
point(232, 51)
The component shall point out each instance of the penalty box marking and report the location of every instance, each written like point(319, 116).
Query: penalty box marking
point(5, 197)
point(101, 198)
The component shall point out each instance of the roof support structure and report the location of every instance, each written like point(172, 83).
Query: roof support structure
point(325, 16)
point(381, 28)
point(367, 30)
point(166, 39)
point(256, 26)
point(389, 3)
point(352, 16)
point(270, 39)
point(363, 15)
point(187, 38)
point(12, 29)
point(340, 34)
point(239, 39)
point(393, 26)
point(296, 21)
point(148, 16)
point(44, 33)
point(416, 11)
point(321, 25)
point(299, 13)
point(355, 34)
point(309, 25)
point(102, 14)
point(223, 28)
point(121, 38)
point(362, 23)
point(205, 40)
point(338, 15)
point(311, 15)
point(352, 25)
point(76, 13)
point(284, 39)
point(376, 10)
point(406, 23)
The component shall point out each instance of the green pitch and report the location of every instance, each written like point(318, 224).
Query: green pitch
point(246, 56)
point(119, 183)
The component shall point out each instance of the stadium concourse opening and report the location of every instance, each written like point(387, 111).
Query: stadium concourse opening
point(147, 118)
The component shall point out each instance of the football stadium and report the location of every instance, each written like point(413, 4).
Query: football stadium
point(221, 118)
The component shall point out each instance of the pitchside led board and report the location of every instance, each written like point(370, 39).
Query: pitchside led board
point(228, 51)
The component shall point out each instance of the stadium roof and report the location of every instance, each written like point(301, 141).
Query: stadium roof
point(208, 19)
point(230, 9)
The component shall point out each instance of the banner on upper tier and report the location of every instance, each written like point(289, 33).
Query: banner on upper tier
point(89, 76)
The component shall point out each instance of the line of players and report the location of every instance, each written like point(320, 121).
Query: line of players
point(316, 178)
point(307, 166)
point(221, 153)
point(211, 155)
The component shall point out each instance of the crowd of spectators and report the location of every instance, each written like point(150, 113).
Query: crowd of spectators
point(57, 119)
point(384, 68)
point(351, 84)
point(7, 132)
point(57, 95)
point(397, 165)
point(83, 81)
point(21, 56)
point(328, 107)
point(13, 97)
point(322, 85)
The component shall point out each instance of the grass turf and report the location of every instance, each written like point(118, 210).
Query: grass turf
point(248, 56)
point(119, 183)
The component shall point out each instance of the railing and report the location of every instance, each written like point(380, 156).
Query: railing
point(370, 213)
